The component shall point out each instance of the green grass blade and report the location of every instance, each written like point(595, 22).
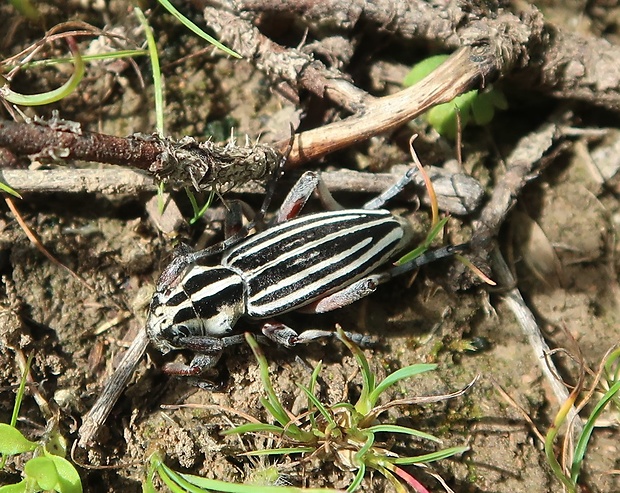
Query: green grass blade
point(584, 438)
point(112, 55)
point(312, 387)
point(199, 211)
point(255, 428)
point(404, 430)
point(360, 456)
point(398, 375)
point(21, 391)
point(280, 451)
point(357, 480)
point(5, 188)
point(196, 30)
point(187, 480)
point(273, 402)
point(432, 234)
point(157, 87)
point(432, 457)
point(363, 405)
point(278, 413)
point(27, 9)
point(50, 96)
point(318, 405)
point(176, 482)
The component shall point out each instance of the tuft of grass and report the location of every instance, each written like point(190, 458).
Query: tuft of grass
point(346, 433)
point(606, 391)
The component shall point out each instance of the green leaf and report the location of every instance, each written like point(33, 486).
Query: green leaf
point(482, 109)
point(12, 441)
point(43, 471)
point(15, 488)
point(68, 478)
point(443, 117)
point(423, 68)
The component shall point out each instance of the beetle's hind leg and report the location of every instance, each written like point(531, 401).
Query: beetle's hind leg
point(367, 285)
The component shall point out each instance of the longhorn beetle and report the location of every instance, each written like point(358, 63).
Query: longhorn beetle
point(313, 263)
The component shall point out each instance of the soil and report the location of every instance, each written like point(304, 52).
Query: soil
point(560, 240)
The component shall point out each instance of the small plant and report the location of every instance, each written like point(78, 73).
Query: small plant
point(607, 388)
point(47, 470)
point(473, 106)
point(346, 433)
point(182, 483)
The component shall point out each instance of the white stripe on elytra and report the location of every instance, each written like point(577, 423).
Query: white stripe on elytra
point(304, 223)
point(255, 308)
point(312, 245)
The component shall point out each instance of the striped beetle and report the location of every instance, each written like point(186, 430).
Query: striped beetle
point(314, 263)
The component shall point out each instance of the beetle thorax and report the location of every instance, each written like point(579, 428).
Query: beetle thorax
point(203, 301)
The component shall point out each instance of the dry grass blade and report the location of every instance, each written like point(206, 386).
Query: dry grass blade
point(37, 243)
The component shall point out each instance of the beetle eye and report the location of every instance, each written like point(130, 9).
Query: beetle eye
point(182, 331)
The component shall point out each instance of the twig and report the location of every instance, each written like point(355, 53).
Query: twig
point(466, 68)
point(559, 63)
point(527, 160)
point(94, 419)
point(458, 193)
point(527, 322)
point(69, 142)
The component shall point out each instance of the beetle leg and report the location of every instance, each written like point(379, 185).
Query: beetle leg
point(301, 192)
point(208, 352)
point(199, 364)
point(233, 220)
point(367, 285)
point(379, 201)
point(297, 197)
point(346, 296)
point(285, 336)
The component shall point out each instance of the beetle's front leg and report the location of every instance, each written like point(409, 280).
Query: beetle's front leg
point(285, 336)
point(208, 352)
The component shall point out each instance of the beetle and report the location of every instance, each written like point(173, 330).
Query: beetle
point(313, 263)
